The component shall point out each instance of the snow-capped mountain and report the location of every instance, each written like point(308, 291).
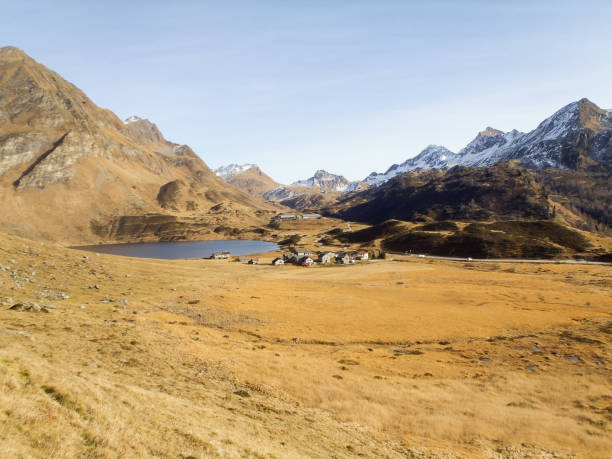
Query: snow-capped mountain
point(282, 192)
point(321, 182)
point(324, 181)
point(248, 178)
point(356, 186)
point(132, 119)
point(432, 157)
point(580, 128)
point(233, 169)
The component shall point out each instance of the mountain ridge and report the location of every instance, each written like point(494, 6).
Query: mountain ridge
point(248, 178)
point(580, 125)
point(69, 169)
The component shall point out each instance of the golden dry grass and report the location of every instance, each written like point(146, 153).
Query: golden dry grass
point(391, 358)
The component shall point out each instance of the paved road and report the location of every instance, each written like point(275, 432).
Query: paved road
point(508, 260)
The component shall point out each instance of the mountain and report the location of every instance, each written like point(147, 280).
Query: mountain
point(325, 182)
point(321, 189)
point(501, 192)
point(248, 178)
point(432, 157)
point(504, 191)
point(72, 171)
point(576, 136)
point(233, 170)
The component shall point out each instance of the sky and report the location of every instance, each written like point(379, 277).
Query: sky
point(347, 86)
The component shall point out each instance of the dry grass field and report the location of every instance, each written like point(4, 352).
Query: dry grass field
point(394, 358)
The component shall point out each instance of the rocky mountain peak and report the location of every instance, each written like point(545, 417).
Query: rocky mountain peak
point(325, 181)
point(490, 132)
point(132, 119)
point(232, 170)
point(143, 130)
point(579, 133)
point(7, 52)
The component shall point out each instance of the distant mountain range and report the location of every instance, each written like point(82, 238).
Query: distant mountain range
point(577, 135)
point(250, 178)
point(561, 169)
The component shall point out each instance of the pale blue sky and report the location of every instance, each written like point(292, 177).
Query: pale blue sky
point(348, 86)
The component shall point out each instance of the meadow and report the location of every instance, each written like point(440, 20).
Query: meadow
point(399, 357)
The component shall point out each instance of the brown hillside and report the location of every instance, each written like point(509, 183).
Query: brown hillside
point(502, 192)
point(253, 181)
point(69, 169)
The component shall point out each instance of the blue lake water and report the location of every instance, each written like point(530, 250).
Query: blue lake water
point(186, 249)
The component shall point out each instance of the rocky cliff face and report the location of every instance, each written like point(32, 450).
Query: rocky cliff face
point(58, 149)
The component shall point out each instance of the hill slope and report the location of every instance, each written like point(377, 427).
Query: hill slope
point(505, 191)
point(69, 169)
point(248, 178)
point(501, 192)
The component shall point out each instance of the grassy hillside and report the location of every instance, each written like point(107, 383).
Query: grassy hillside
point(509, 239)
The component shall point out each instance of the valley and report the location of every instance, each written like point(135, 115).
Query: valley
point(403, 357)
point(438, 340)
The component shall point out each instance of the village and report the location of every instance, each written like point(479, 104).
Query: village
point(303, 257)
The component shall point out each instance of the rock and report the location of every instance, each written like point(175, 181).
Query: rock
point(16, 332)
point(82, 306)
point(242, 393)
point(28, 306)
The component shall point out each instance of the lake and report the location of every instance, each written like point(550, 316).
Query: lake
point(183, 249)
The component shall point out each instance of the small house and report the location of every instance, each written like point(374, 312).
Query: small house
point(243, 259)
point(290, 257)
point(311, 216)
point(302, 252)
point(254, 261)
point(278, 262)
point(326, 257)
point(220, 255)
point(363, 255)
point(343, 259)
point(306, 261)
